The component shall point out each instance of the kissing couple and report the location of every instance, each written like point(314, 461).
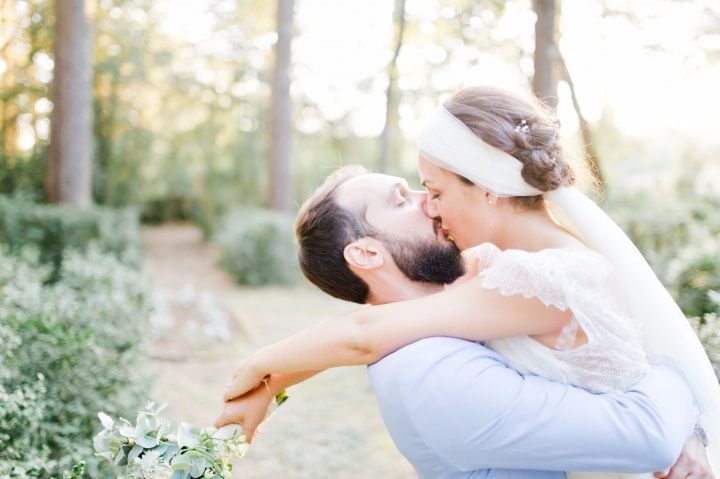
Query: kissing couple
point(511, 328)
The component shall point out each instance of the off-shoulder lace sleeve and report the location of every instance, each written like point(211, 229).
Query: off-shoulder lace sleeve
point(551, 275)
point(485, 253)
point(613, 357)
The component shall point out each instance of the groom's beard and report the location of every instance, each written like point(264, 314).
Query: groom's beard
point(425, 260)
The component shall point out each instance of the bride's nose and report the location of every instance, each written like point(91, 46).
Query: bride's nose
point(429, 206)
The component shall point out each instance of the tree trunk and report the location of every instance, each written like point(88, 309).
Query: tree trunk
point(69, 154)
point(545, 78)
point(591, 155)
point(280, 181)
point(389, 138)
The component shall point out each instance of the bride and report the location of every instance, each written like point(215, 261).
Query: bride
point(557, 287)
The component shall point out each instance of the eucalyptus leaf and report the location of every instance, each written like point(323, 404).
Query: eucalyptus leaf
point(128, 431)
point(197, 469)
point(228, 431)
point(143, 424)
point(101, 443)
point(180, 474)
point(182, 461)
point(147, 442)
point(134, 452)
point(186, 436)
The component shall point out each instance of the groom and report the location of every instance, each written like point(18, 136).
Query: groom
point(454, 408)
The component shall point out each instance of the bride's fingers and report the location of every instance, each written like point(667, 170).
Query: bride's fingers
point(220, 421)
point(235, 390)
point(224, 419)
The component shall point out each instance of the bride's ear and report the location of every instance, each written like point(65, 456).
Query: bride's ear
point(490, 198)
point(363, 254)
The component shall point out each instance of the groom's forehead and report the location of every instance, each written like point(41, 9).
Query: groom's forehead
point(362, 190)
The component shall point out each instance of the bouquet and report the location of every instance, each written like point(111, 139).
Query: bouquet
point(154, 448)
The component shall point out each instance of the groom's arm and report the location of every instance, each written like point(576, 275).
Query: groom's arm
point(477, 413)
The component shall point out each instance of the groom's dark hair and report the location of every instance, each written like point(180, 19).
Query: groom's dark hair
point(323, 229)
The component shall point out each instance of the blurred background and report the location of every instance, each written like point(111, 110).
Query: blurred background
point(153, 155)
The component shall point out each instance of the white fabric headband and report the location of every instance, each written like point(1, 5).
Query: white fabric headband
point(448, 143)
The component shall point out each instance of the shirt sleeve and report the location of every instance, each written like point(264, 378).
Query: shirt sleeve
point(477, 413)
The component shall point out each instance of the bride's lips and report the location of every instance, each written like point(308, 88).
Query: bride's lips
point(443, 234)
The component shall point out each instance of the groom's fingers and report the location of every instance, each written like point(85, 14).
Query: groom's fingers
point(662, 475)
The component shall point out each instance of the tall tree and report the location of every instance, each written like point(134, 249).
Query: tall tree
point(591, 154)
point(545, 78)
point(550, 68)
point(69, 155)
point(281, 121)
point(389, 137)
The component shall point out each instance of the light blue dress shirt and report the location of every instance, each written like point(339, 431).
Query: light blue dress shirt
point(455, 409)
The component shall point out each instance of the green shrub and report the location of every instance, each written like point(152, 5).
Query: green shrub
point(170, 208)
point(679, 238)
point(70, 349)
point(54, 229)
point(258, 247)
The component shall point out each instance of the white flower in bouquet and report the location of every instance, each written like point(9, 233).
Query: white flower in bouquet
point(153, 448)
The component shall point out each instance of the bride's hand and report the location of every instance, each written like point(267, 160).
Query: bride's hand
point(248, 411)
point(245, 378)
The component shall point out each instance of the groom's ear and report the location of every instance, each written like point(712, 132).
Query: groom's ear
point(364, 253)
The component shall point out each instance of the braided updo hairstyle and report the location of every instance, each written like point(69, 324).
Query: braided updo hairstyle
point(520, 129)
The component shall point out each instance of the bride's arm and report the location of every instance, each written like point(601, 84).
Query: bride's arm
point(467, 311)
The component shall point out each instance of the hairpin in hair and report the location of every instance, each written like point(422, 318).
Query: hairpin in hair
point(522, 127)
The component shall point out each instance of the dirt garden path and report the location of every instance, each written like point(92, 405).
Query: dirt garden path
point(330, 427)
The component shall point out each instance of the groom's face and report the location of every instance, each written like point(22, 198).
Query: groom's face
point(415, 241)
point(388, 205)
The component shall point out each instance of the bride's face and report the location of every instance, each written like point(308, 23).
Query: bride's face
point(462, 208)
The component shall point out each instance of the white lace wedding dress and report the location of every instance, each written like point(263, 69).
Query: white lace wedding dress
point(611, 360)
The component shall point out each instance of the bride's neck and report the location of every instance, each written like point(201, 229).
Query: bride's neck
point(531, 231)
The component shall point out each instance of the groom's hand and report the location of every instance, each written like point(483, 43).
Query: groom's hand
point(248, 410)
point(692, 463)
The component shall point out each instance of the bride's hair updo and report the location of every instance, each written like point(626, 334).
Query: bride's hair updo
point(519, 128)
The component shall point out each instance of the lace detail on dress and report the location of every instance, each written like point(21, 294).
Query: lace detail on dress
point(580, 280)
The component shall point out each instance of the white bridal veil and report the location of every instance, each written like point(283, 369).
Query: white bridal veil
point(668, 336)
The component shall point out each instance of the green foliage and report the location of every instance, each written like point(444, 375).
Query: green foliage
point(154, 447)
point(70, 349)
point(169, 208)
point(53, 230)
point(25, 175)
point(258, 247)
point(708, 329)
point(679, 240)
